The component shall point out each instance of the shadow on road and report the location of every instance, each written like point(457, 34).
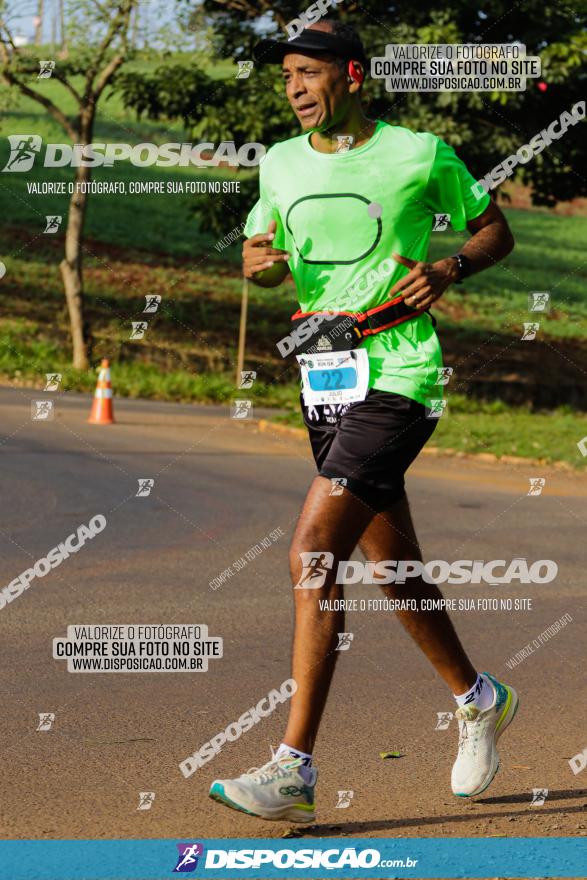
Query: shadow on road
point(356, 829)
point(562, 794)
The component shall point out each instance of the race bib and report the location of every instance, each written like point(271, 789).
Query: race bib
point(334, 376)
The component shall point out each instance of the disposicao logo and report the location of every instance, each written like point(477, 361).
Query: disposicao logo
point(24, 149)
point(187, 859)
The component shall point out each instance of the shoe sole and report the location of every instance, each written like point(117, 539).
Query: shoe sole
point(502, 725)
point(284, 814)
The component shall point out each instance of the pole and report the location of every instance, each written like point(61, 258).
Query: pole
point(240, 360)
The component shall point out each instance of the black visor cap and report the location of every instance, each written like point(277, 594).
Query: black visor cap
point(274, 51)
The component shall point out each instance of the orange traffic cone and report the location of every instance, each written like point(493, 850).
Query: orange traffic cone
point(102, 412)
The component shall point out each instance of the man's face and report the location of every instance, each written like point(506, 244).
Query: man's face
point(317, 89)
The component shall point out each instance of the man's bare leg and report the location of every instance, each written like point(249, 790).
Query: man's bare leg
point(327, 524)
point(333, 524)
point(391, 535)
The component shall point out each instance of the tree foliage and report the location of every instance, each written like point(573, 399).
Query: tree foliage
point(483, 127)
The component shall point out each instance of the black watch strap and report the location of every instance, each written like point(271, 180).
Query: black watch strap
point(464, 267)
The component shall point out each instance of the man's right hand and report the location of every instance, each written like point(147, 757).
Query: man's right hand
point(263, 264)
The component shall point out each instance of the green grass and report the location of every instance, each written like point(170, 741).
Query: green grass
point(164, 224)
point(113, 119)
point(27, 353)
point(492, 427)
point(140, 245)
point(549, 255)
point(471, 426)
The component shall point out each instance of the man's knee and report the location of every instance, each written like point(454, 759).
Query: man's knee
point(311, 560)
point(307, 539)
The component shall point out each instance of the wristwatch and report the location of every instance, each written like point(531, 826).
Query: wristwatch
point(463, 265)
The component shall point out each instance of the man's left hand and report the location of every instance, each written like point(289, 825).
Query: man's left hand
point(425, 282)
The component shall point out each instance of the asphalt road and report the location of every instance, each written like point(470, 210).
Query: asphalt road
point(220, 487)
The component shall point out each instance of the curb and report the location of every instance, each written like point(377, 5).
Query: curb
point(267, 427)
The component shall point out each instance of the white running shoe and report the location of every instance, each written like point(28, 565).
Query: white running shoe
point(275, 791)
point(478, 761)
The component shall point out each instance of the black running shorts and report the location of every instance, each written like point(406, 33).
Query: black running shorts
point(370, 444)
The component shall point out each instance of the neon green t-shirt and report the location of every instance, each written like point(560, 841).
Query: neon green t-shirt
point(342, 215)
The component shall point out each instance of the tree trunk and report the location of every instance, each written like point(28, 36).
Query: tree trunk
point(39, 24)
point(63, 50)
point(71, 271)
point(134, 25)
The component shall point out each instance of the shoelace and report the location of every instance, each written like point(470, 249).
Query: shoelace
point(276, 768)
point(468, 739)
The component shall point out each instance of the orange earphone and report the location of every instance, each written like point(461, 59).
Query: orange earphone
point(355, 72)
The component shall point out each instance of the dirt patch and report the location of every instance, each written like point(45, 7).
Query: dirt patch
point(544, 374)
point(515, 195)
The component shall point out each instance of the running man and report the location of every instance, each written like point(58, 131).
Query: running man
point(353, 226)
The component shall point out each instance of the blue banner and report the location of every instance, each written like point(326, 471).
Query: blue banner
point(311, 858)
